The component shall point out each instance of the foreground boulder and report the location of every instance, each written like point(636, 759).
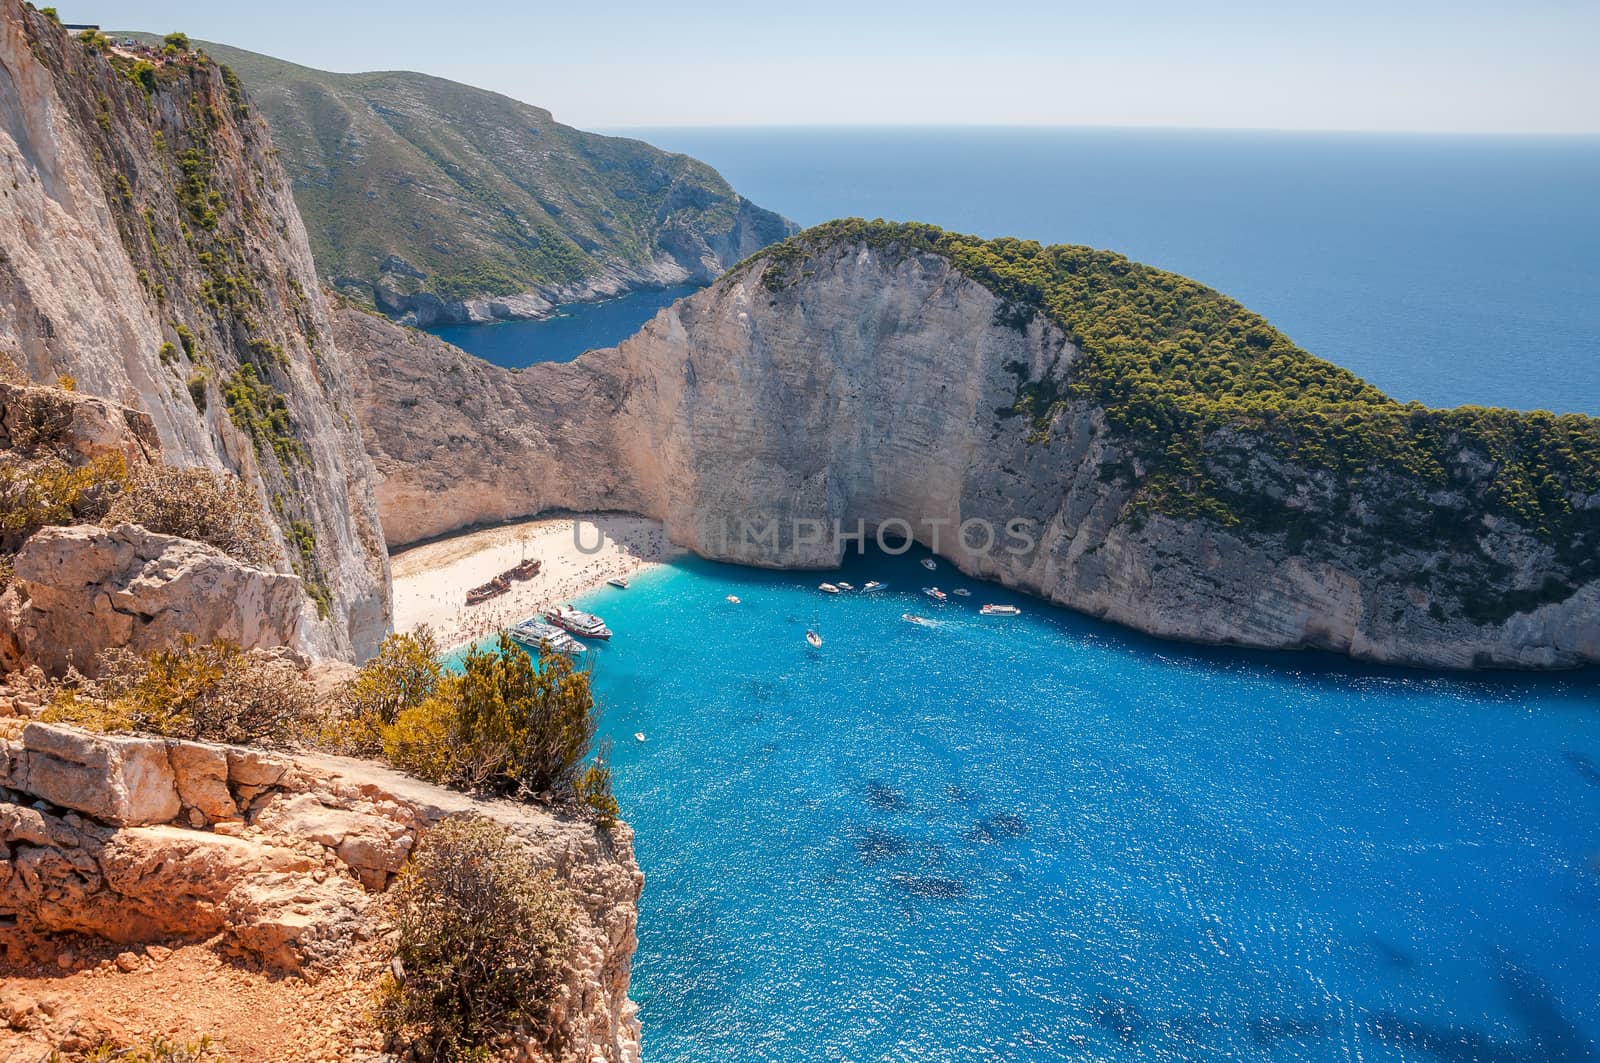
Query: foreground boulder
point(81, 590)
point(280, 858)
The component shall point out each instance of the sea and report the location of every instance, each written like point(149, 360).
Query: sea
point(1044, 837)
point(1444, 269)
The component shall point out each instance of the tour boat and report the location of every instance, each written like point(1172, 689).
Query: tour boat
point(929, 563)
point(1000, 610)
point(814, 639)
point(827, 588)
point(963, 592)
point(618, 582)
point(936, 594)
point(533, 632)
point(874, 585)
point(585, 625)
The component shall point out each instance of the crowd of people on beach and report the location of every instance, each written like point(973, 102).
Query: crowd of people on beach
point(582, 559)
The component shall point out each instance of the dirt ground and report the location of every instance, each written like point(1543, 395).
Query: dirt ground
point(97, 994)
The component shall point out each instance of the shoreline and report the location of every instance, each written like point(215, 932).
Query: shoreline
point(578, 553)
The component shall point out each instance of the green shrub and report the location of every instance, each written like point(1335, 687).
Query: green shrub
point(212, 692)
point(503, 725)
point(594, 788)
point(483, 933)
point(404, 673)
point(206, 505)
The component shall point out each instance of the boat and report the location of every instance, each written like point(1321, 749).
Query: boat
point(524, 570)
point(638, 736)
point(915, 619)
point(827, 588)
point(814, 639)
point(584, 625)
point(484, 591)
point(1000, 610)
point(936, 594)
point(842, 585)
point(874, 585)
point(929, 563)
point(733, 599)
point(963, 592)
point(534, 633)
point(618, 582)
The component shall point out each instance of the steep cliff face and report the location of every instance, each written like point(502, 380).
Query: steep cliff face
point(150, 249)
point(845, 381)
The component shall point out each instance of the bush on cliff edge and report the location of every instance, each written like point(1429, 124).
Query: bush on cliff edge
point(483, 933)
point(504, 725)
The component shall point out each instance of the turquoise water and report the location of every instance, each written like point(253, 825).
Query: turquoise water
point(572, 330)
point(1046, 838)
point(1443, 269)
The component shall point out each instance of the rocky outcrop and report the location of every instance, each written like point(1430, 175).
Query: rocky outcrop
point(80, 590)
point(139, 840)
point(765, 422)
point(150, 249)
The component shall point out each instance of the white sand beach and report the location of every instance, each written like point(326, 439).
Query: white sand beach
point(578, 554)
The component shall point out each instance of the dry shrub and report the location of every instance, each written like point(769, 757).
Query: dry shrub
point(152, 1050)
point(483, 933)
point(211, 692)
point(202, 504)
point(48, 491)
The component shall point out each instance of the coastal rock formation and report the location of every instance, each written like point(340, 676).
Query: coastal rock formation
point(140, 840)
point(864, 378)
point(80, 590)
point(151, 252)
point(440, 202)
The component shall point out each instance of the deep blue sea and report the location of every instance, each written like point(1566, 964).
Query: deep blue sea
point(572, 330)
point(1046, 838)
point(1448, 270)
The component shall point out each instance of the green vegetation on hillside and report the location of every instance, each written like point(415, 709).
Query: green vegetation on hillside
point(1189, 380)
point(462, 192)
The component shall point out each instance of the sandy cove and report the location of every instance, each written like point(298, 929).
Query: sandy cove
point(577, 553)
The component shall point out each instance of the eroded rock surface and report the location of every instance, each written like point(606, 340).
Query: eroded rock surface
point(138, 840)
point(80, 590)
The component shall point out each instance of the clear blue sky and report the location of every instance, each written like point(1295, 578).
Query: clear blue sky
point(1461, 66)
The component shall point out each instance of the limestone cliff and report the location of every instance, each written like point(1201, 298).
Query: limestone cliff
point(147, 840)
point(151, 251)
point(865, 378)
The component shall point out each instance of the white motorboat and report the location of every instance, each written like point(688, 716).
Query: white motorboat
point(584, 625)
point(962, 591)
point(874, 585)
point(913, 618)
point(842, 585)
point(827, 588)
point(618, 582)
point(929, 563)
point(733, 599)
point(936, 594)
point(814, 639)
point(533, 633)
